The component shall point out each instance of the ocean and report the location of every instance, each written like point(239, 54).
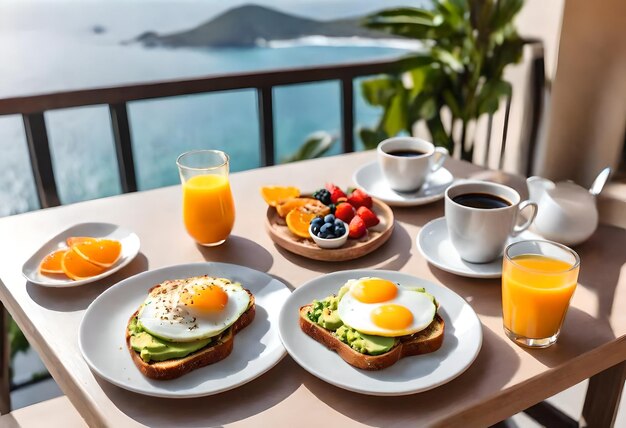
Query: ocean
point(50, 46)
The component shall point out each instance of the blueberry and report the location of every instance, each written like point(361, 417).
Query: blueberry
point(322, 235)
point(317, 221)
point(338, 222)
point(327, 228)
point(330, 236)
point(340, 231)
point(329, 218)
point(315, 229)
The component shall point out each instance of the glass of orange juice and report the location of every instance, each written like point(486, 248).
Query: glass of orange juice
point(208, 207)
point(538, 281)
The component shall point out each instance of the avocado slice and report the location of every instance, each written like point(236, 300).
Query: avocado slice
point(330, 319)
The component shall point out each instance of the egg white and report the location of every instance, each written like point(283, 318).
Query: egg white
point(163, 314)
point(357, 315)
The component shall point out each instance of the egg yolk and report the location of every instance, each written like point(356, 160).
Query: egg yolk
point(205, 298)
point(374, 290)
point(392, 317)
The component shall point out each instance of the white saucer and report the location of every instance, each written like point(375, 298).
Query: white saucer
point(437, 249)
point(370, 178)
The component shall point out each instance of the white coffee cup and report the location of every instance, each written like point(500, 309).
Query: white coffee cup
point(480, 234)
point(408, 173)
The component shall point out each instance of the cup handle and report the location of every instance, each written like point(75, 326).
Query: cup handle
point(517, 229)
point(441, 155)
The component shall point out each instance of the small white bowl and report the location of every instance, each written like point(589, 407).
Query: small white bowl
point(330, 244)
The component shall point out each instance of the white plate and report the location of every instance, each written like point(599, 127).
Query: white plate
point(370, 178)
point(462, 340)
point(128, 239)
point(257, 347)
point(434, 244)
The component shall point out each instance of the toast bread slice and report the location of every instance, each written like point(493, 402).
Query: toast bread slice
point(428, 340)
point(212, 353)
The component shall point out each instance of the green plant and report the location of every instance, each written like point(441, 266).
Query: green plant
point(467, 45)
point(316, 145)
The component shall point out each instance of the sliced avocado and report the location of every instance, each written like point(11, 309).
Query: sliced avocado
point(143, 340)
point(375, 345)
point(152, 348)
point(342, 292)
point(330, 319)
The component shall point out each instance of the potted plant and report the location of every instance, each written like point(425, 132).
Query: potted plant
point(467, 45)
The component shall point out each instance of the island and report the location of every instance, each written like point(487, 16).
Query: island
point(253, 25)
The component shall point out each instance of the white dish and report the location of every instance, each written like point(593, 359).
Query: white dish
point(370, 178)
point(435, 245)
point(128, 239)
point(462, 340)
point(330, 243)
point(257, 348)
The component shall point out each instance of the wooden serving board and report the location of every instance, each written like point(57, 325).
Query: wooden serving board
point(353, 249)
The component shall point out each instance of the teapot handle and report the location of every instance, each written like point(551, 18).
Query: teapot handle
point(517, 229)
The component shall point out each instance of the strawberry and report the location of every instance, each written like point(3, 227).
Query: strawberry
point(368, 216)
point(335, 192)
point(357, 227)
point(359, 198)
point(344, 212)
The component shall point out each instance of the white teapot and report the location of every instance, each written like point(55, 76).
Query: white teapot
point(567, 213)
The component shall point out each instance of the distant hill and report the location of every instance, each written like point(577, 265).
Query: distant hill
point(246, 26)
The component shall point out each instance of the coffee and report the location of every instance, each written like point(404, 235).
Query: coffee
point(484, 201)
point(407, 153)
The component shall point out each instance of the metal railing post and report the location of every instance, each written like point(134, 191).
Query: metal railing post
point(40, 160)
point(347, 115)
point(123, 147)
point(266, 124)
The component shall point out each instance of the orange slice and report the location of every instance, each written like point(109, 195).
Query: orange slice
point(275, 194)
point(298, 221)
point(76, 267)
point(52, 262)
point(100, 252)
point(78, 239)
point(287, 205)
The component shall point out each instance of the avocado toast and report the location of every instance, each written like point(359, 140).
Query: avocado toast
point(321, 320)
point(163, 358)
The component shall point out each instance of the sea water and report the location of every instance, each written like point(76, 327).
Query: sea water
point(45, 49)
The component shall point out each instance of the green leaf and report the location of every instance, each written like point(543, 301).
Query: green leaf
point(403, 11)
point(395, 116)
point(415, 61)
point(488, 99)
point(451, 101)
point(424, 106)
point(438, 133)
point(378, 91)
point(316, 145)
point(448, 59)
point(372, 137)
point(504, 13)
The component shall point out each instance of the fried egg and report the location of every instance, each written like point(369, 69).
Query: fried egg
point(380, 307)
point(184, 310)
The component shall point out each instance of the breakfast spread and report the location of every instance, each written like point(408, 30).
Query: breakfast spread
point(185, 324)
point(372, 322)
point(84, 257)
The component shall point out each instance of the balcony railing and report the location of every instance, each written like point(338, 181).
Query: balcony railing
point(32, 109)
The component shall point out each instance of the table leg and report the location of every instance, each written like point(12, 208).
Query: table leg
point(5, 393)
point(603, 397)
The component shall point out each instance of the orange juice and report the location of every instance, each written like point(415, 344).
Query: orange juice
point(536, 291)
point(208, 208)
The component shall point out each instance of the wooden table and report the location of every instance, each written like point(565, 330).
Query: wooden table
point(503, 380)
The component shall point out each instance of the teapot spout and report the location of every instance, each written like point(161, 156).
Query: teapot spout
point(537, 186)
